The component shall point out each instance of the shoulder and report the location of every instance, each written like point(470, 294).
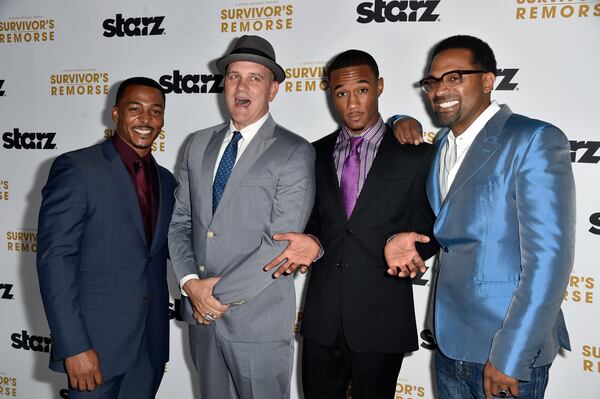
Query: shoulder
point(204, 135)
point(327, 142)
point(288, 136)
point(526, 130)
point(389, 142)
point(83, 157)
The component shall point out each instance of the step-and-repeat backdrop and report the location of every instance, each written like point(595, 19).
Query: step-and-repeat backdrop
point(60, 61)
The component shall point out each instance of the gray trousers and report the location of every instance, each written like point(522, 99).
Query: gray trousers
point(240, 370)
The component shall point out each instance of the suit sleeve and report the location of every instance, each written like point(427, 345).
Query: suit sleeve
point(421, 216)
point(290, 211)
point(61, 227)
point(545, 203)
point(181, 242)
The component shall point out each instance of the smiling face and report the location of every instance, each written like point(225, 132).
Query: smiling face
point(139, 117)
point(458, 107)
point(355, 91)
point(249, 88)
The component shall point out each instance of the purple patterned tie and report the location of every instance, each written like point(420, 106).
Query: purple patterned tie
point(350, 174)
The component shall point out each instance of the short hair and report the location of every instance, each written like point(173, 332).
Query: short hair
point(139, 81)
point(482, 54)
point(350, 58)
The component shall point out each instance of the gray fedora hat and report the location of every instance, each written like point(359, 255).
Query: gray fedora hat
point(254, 49)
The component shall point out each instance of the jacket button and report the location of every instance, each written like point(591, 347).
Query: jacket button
point(210, 234)
point(145, 299)
point(349, 231)
point(201, 268)
point(446, 249)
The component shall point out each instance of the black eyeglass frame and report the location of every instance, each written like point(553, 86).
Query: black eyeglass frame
point(460, 72)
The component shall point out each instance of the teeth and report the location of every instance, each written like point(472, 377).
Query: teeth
point(143, 131)
point(448, 104)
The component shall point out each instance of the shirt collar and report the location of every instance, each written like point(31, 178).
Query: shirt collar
point(128, 154)
point(373, 133)
point(469, 135)
point(249, 131)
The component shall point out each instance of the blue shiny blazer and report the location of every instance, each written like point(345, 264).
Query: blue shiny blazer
point(506, 231)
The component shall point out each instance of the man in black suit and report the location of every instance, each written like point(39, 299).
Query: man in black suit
point(369, 187)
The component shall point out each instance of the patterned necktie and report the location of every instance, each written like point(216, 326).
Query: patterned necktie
point(350, 174)
point(143, 193)
point(447, 164)
point(225, 167)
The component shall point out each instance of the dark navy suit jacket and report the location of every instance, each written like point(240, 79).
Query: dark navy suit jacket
point(102, 286)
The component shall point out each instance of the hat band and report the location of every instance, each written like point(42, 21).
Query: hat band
point(253, 51)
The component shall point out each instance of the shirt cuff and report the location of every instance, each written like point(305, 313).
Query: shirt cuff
point(388, 240)
point(397, 117)
point(321, 250)
point(185, 279)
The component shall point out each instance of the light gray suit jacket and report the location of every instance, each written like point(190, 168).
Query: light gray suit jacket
point(270, 190)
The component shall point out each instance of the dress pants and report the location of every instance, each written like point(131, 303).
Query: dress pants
point(328, 370)
point(240, 370)
point(141, 381)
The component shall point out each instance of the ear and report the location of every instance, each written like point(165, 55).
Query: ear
point(488, 82)
point(273, 90)
point(115, 114)
point(379, 86)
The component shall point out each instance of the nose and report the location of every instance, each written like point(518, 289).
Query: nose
point(352, 101)
point(440, 89)
point(144, 116)
point(242, 84)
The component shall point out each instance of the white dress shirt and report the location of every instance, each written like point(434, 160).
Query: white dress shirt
point(463, 143)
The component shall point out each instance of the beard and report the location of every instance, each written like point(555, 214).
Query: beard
point(445, 119)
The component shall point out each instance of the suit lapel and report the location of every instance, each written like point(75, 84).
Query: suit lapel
point(369, 189)
point(259, 144)
point(433, 178)
point(331, 179)
point(481, 150)
point(162, 220)
point(124, 186)
point(209, 160)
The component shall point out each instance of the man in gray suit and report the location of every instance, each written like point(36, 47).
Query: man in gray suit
point(239, 183)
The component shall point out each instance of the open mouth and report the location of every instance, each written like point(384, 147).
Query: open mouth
point(143, 130)
point(242, 102)
point(446, 104)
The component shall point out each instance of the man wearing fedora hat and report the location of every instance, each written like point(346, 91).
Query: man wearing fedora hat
point(239, 183)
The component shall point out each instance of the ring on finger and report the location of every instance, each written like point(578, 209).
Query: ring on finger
point(503, 393)
point(209, 317)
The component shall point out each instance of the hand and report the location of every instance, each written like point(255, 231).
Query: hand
point(301, 252)
point(402, 257)
point(408, 131)
point(494, 380)
point(204, 303)
point(83, 370)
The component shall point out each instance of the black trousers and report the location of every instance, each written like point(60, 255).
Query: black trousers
point(327, 371)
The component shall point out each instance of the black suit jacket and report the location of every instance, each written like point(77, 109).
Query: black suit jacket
point(349, 285)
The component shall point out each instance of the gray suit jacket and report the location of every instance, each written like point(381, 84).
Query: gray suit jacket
point(270, 190)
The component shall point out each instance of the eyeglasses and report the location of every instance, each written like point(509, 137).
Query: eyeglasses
point(450, 79)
